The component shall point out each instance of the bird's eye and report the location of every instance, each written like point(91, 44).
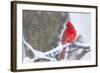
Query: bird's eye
point(67, 27)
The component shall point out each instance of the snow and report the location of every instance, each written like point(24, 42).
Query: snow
point(39, 54)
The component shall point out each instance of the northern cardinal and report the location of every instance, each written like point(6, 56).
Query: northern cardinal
point(69, 35)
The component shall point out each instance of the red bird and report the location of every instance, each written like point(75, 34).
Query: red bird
point(69, 35)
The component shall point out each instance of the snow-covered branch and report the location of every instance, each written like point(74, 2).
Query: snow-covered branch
point(36, 53)
point(50, 55)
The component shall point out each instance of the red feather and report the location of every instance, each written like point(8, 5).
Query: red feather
point(69, 35)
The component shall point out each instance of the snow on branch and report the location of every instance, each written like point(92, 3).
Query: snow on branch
point(36, 53)
point(50, 55)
